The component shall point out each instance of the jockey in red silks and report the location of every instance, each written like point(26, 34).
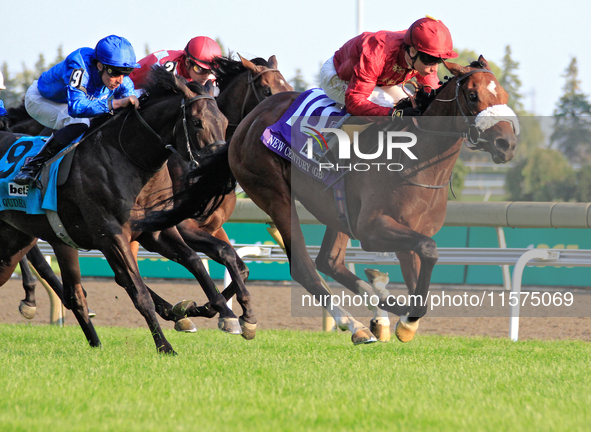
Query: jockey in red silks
point(193, 63)
point(365, 75)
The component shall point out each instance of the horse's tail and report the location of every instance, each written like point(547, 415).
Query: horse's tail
point(204, 191)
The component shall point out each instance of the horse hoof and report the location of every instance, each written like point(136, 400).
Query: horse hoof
point(381, 331)
point(180, 309)
point(248, 330)
point(185, 325)
point(91, 313)
point(374, 275)
point(363, 336)
point(229, 325)
point(27, 311)
point(405, 330)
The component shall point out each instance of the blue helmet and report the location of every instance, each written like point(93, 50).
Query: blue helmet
point(116, 51)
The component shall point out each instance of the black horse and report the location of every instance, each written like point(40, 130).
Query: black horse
point(117, 171)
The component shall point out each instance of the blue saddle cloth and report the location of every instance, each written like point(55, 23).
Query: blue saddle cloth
point(24, 198)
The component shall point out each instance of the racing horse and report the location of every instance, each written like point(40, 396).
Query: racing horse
point(388, 211)
point(116, 171)
point(243, 84)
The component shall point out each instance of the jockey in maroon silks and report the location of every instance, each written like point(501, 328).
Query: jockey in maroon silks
point(193, 63)
point(365, 75)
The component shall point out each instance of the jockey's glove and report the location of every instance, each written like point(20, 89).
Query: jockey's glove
point(403, 115)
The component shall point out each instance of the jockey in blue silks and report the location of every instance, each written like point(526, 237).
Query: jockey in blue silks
point(88, 83)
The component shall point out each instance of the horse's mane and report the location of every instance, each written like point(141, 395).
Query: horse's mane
point(18, 114)
point(226, 69)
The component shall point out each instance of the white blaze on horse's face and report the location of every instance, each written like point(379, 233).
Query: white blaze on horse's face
point(282, 82)
point(491, 87)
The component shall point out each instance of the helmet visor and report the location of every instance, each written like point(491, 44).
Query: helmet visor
point(115, 72)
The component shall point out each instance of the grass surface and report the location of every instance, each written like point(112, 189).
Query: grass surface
point(288, 381)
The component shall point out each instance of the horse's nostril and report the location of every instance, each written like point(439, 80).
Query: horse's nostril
point(502, 144)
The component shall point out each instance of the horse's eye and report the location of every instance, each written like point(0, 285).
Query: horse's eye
point(267, 92)
point(197, 123)
point(473, 97)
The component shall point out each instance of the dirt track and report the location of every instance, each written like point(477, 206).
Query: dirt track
point(273, 309)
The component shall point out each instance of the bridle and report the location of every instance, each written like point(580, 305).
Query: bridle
point(191, 160)
point(472, 136)
point(251, 87)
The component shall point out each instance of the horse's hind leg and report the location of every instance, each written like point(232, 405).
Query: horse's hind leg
point(303, 269)
point(331, 261)
point(27, 306)
point(72, 294)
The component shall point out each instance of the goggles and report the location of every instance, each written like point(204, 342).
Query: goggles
point(198, 69)
point(429, 60)
point(114, 72)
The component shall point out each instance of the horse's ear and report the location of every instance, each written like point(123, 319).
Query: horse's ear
point(454, 68)
point(209, 87)
point(483, 62)
point(249, 65)
point(272, 62)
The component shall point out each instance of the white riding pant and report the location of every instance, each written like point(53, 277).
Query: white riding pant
point(335, 88)
point(50, 114)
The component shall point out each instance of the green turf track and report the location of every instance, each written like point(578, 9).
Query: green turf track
point(50, 380)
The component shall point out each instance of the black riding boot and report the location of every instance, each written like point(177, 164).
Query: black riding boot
point(30, 170)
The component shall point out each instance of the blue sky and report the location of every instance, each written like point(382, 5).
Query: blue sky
point(304, 33)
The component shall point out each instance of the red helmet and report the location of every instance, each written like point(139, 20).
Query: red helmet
point(202, 50)
point(430, 36)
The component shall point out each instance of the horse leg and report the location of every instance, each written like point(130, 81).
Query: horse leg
point(303, 269)
point(15, 247)
point(72, 294)
point(331, 261)
point(382, 234)
point(170, 244)
point(117, 251)
point(410, 267)
point(27, 306)
point(223, 253)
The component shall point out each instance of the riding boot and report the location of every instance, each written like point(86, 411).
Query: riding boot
point(30, 170)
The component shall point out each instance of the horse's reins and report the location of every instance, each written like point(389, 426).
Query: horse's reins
point(191, 159)
point(467, 136)
point(473, 133)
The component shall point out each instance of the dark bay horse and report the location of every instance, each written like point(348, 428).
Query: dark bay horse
point(388, 211)
point(243, 84)
point(116, 171)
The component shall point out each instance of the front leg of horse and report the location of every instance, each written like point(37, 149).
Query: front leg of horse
point(117, 251)
point(27, 306)
point(223, 253)
point(169, 244)
point(385, 235)
point(73, 295)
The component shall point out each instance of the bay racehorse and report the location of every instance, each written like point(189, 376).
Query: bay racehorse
point(388, 211)
point(116, 171)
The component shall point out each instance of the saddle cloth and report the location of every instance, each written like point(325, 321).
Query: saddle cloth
point(299, 125)
point(24, 198)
